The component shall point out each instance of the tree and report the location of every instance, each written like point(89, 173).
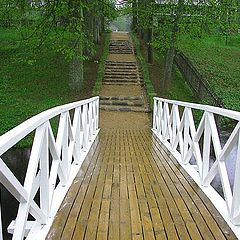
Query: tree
point(65, 24)
point(173, 17)
point(228, 13)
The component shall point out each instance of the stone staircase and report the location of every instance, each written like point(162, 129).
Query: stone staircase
point(123, 103)
point(120, 47)
point(120, 72)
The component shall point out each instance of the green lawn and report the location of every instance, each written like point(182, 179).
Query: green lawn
point(218, 63)
point(29, 83)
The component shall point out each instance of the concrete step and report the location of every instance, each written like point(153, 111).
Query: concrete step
point(120, 79)
point(123, 83)
point(125, 109)
point(136, 103)
point(115, 63)
point(125, 76)
point(120, 97)
point(122, 71)
point(119, 52)
point(120, 68)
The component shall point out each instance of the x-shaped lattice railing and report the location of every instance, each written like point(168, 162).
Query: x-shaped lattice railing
point(174, 125)
point(53, 162)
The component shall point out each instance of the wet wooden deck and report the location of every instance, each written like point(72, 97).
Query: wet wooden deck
point(129, 187)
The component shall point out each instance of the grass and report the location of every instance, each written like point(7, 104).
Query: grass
point(218, 63)
point(153, 75)
point(179, 88)
point(29, 83)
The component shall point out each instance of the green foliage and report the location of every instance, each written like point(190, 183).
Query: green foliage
point(101, 68)
point(29, 82)
point(67, 25)
point(148, 83)
point(192, 19)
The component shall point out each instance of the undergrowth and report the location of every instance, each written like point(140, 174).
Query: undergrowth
point(101, 67)
point(148, 83)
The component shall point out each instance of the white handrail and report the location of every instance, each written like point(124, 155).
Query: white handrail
point(67, 151)
point(181, 135)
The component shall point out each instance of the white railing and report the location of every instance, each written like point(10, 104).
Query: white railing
point(50, 159)
point(174, 125)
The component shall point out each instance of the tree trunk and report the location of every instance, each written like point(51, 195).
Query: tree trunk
point(168, 68)
point(171, 51)
point(76, 71)
point(150, 49)
point(102, 24)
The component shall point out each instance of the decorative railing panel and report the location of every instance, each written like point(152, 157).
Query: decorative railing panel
point(194, 145)
point(53, 163)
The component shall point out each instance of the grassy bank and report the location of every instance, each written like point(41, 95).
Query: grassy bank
point(218, 63)
point(154, 73)
point(145, 69)
point(33, 82)
point(101, 67)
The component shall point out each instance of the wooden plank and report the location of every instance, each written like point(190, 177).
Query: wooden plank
point(175, 201)
point(99, 173)
point(162, 204)
point(125, 221)
point(142, 198)
point(205, 222)
point(93, 219)
point(114, 230)
point(103, 225)
point(216, 223)
point(158, 227)
point(63, 214)
point(133, 198)
point(131, 189)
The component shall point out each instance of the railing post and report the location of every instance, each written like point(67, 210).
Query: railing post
point(206, 146)
point(44, 174)
point(97, 113)
point(235, 210)
point(1, 230)
point(85, 127)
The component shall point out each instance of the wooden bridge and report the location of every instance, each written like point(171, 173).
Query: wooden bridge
point(133, 179)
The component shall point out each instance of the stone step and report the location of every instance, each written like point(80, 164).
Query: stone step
point(115, 47)
point(121, 76)
point(123, 83)
point(120, 52)
point(136, 103)
point(125, 63)
point(120, 97)
point(120, 43)
point(108, 79)
point(121, 68)
point(125, 109)
point(121, 49)
point(128, 73)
